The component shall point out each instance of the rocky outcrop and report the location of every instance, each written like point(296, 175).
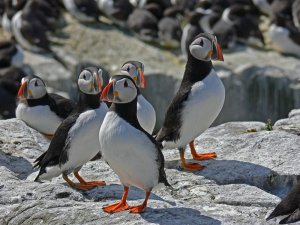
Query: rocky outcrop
point(254, 168)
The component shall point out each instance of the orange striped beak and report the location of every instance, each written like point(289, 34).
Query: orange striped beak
point(142, 78)
point(219, 53)
point(22, 93)
point(107, 93)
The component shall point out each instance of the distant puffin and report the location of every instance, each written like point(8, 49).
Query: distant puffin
point(169, 32)
point(83, 10)
point(35, 16)
point(116, 10)
point(40, 110)
point(283, 34)
point(13, 52)
point(76, 140)
point(190, 31)
point(10, 82)
point(131, 152)
point(145, 111)
point(144, 24)
point(296, 13)
point(290, 206)
point(198, 101)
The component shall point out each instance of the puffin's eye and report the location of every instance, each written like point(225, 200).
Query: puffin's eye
point(201, 42)
point(128, 68)
point(36, 83)
point(84, 76)
point(125, 84)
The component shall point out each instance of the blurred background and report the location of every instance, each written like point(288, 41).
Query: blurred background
point(56, 39)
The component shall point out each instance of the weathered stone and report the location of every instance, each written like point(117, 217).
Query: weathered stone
point(253, 169)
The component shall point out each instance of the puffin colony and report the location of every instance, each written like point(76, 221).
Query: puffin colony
point(123, 132)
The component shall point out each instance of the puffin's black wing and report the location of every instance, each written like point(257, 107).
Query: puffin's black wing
point(294, 217)
point(61, 106)
point(172, 124)
point(52, 155)
point(288, 205)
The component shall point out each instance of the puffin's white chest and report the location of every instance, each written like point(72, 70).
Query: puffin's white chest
point(83, 137)
point(39, 117)
point(146, 114)
point(202, 107)
point(129, 152)
point(279, 37)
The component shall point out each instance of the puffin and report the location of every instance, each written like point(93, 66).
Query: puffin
point(83, 10)
point(296, 13)
point(35, 16)
point(12, 51)
point(116, 10)
point(198, 101)
point(283, 34)
point(10, 81)
point(76, 140)
point(169, 32)
point(145, 111)
point(144, 24)
point(41, 110)
point(289, 207)
point(131, 152)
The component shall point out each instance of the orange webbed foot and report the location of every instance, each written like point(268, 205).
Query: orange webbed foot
point(117, 207)
point(84, 187)
point(96, 183)
point(205, 156)
point(137, 209)
point(193, 167)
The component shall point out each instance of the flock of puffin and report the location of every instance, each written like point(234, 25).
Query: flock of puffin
point(117, 122)
point(169, 23)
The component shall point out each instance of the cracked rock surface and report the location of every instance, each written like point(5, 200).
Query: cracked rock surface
point(254, 169)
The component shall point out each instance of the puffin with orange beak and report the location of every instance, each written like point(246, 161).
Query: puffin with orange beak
point(131, 152)
point(145, 112)
point(76, 140)
point(41, 110)
point(197, 103)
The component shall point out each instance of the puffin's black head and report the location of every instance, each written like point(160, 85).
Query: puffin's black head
point(90, 80)
point(121, 89)
point(135, 70)
point(205, 48)
point(32, 87)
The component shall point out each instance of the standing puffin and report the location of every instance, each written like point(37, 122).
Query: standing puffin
point(76, 140)
point(145, 111)
point(289, 207)
point(130, 151)
point(198, 101)
point(40, 110)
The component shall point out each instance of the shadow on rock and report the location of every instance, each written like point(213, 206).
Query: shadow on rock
point(18, 165)
point(115, 191)
point(180, 215)
point(225, 172)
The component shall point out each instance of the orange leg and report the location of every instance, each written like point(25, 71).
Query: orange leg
point(120, 206)
point(142, 207)
point(49, 136)
point(84, 187)
point(189, 166)
point(92, 183)
point(204, 156)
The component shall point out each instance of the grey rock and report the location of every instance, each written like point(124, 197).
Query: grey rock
point(254, 169)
